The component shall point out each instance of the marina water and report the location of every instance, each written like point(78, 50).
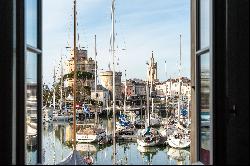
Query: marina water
point(57, 145)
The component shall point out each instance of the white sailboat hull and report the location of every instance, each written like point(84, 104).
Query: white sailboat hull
point(178, 143)
point(89, 138)
point(143, 143)
point(86, 138)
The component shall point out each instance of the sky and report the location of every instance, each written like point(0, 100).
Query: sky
point(141, 26)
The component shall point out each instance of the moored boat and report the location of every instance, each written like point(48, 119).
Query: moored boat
point(89, 133)
point(179, 140)
point(149, 137)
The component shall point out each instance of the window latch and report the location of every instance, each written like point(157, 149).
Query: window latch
point(233, 110)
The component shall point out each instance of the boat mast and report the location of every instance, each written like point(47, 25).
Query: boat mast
point(147, 93)
point(74, 86)
point(95, 83)
point(61, 100)
point(179, 103)
point(151, 76)
point(54, 90)
point(113, 53)
point(125, 98)
point(166, 90)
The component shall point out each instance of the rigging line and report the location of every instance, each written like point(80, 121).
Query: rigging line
point(68, 28)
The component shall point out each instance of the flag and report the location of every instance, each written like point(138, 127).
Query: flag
point(85, 109)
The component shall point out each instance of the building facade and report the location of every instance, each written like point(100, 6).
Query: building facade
point(102, 94)
point(171, 87)
point(135, 87)
point(106, 78)
point(152, 71)
point(84, 64)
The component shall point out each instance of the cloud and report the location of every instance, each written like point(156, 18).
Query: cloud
point(141, 26)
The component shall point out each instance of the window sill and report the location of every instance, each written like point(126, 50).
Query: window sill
point(197, 163)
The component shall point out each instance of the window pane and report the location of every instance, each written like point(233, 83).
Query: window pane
point(204, 82)
point(31, 108)
point(31, 22)
point(204, 24)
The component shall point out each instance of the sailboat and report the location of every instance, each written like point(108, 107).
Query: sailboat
point(123, 123)
point(180, 138)
point(155, 120)
point(74, 158)
point(90, 132)
point(148, 136)
point(125, 129)
point(114, 88)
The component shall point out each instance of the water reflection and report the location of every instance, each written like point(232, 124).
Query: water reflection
point(178, 154)
point(205, 112)
point(57, 145)
point(147, 153)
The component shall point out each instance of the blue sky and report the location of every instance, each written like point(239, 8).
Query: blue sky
point(142, 26)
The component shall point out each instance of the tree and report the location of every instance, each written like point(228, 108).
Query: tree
point(81, 91)
point(80, 75)
point(47, 95)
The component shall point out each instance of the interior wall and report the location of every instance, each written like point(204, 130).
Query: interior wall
point(237, 91)
point(6, 73)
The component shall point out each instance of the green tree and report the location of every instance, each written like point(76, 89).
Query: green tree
point(82, 91)
point(47, 95)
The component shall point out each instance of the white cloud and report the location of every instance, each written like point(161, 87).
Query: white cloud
point(143, 26)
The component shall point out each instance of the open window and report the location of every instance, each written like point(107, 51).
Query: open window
point(33, 81)
point(202, 139)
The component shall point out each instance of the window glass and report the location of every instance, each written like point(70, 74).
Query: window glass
point(31, 22)
point(204, 24)
point(31, 108)
point(204, 82)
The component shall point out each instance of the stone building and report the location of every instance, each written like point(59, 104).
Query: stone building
point(106, 78)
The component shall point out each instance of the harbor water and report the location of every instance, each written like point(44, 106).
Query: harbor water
point(57, 145)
